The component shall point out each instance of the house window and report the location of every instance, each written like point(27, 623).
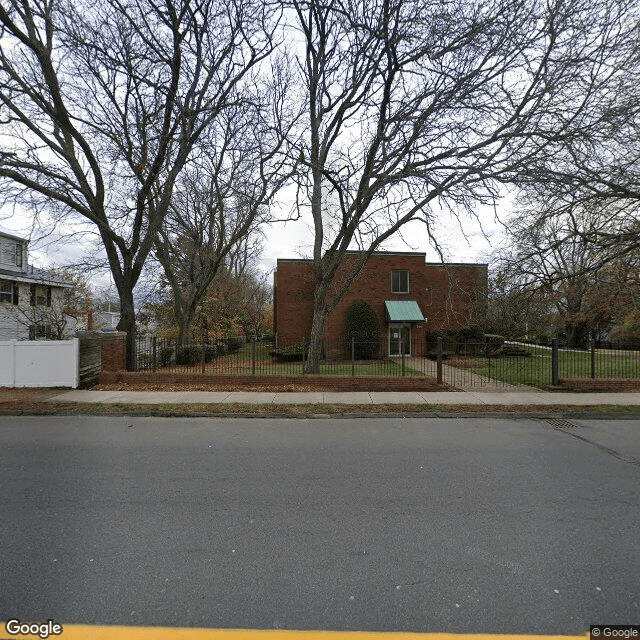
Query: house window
point(8, 252)
point(40, 332)
point(40, 295)
point(18, 255)
point(8, 292)
point(399, 281)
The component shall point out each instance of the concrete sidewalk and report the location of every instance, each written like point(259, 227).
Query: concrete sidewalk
point(541, 398)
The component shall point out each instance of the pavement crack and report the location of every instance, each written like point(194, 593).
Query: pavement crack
point(560, 424)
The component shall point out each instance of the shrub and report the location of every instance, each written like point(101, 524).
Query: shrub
point(221, 347)
point(472, 333)
point(432, 335)
point(512, 351)
point(192, 354)
point(234, 344)
point(363, 331)
point(294, 353)
point(165, 356)
point(543, 339)
point(493, 343)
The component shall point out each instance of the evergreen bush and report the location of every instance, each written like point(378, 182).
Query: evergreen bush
point(363, 331)
point(294, 353)
point(165, 356)
point(192, 354)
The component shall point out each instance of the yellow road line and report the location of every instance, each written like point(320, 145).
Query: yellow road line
point(92, 632)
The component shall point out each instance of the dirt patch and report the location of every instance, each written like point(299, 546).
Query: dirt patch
point(144, 381)
point(310, 410)
point(12, 396)
point(147, 386)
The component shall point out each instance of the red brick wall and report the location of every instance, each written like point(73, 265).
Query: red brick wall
point(450, 296)
point(457, 295)
point(293, 301)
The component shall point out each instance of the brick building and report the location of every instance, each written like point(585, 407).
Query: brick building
point(409, 295)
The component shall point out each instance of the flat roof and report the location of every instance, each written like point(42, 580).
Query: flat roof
point(355, 253)
point(399, 253)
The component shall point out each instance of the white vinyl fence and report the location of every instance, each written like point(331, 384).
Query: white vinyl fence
point(39, 363)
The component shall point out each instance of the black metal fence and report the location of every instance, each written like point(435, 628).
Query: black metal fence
point(459, 364)
point(242, 356)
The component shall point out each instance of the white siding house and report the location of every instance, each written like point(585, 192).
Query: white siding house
point(31, 300)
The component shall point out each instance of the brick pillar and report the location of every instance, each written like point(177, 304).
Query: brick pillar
point(113, 351)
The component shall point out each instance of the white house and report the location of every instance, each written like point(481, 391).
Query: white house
point(31, 300)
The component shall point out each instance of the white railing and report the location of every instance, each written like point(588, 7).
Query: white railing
point(39, 363)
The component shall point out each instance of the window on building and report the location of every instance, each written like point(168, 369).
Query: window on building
point(40, 295)
point(7, 252)
point(399, 281)
point(18, 255)
point(40, 332)
point(43, 331)
point(8, 292)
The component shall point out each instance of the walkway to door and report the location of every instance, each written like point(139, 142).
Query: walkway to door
point(461, 378)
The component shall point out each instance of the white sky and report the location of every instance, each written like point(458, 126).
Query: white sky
point(295, 239)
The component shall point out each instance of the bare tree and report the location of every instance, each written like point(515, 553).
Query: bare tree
point(101, 105)
point(414, 108)
point(223, 198)
point(547, 261)
point(588, 156)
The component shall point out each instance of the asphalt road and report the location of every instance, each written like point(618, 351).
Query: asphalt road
point(461, 525)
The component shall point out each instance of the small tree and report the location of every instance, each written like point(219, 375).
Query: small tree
point(362, 329)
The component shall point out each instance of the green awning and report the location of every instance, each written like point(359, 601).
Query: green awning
point(402, 311)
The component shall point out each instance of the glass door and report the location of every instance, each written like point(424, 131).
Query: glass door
point(399, 340)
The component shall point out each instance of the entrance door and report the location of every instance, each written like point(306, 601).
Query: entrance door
point(399, 340)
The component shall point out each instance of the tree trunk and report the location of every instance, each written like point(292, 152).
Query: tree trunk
point(185, 319)
point(316, 339)
point(577, 334)
point(127, 323)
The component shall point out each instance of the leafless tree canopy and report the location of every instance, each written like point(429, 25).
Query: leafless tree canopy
point(103, 103)
point(221, 199)
point(413, 106)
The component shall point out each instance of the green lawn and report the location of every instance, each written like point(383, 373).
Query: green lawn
point(536, 370)
point(240, 363)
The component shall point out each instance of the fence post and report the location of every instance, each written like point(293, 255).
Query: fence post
point(439, 368)
point(402, 353)
point(253, 357)
point(555, 374)
point(353, 356)
point(592, 347)
point(154, 361)
point(202, 357)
